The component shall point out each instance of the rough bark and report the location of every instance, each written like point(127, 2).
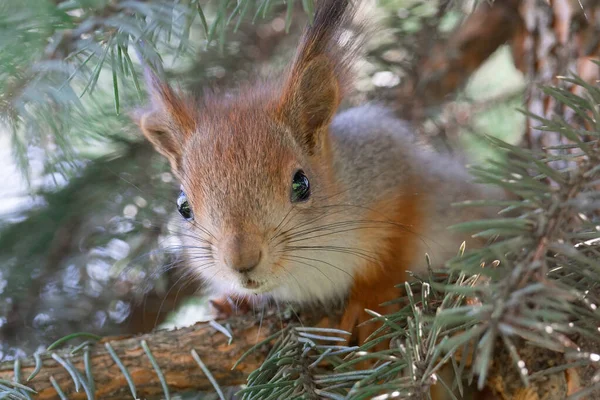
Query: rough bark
point(558, 37)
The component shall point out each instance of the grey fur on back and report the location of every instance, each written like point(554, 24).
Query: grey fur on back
point(375, 153)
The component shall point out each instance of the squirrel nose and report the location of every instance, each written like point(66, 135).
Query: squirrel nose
point(242, 253)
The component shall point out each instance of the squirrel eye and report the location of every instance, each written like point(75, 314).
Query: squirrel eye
point(183, 206)
point(300, 187)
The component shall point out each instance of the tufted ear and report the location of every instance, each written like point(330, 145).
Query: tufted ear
point(310, 101)
point(168, 121)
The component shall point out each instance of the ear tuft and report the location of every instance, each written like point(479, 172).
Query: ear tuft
point(311, 102)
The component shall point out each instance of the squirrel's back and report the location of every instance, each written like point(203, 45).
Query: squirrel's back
point(378, 156)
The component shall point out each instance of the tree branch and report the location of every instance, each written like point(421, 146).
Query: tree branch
point(449, 65)
point(172, 351)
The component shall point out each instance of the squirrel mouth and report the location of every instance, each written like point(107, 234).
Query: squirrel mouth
point(250, 284)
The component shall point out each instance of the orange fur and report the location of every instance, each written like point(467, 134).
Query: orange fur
point(375, 282)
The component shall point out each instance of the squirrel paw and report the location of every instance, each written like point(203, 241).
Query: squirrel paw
point(356, 321)
point(227, 306)
point(362, 325)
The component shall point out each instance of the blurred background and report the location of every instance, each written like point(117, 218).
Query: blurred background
point(85, 204)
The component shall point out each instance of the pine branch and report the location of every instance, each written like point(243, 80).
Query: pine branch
point(98, 368)
point(69, 49)
point(525, 296)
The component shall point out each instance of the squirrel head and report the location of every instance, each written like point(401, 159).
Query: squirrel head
point(256, 170)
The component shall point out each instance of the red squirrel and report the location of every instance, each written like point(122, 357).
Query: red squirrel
point(286, 198)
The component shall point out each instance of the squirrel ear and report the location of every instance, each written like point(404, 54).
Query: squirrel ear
point(165, 138)
point(311, 101)
point(167, 122)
